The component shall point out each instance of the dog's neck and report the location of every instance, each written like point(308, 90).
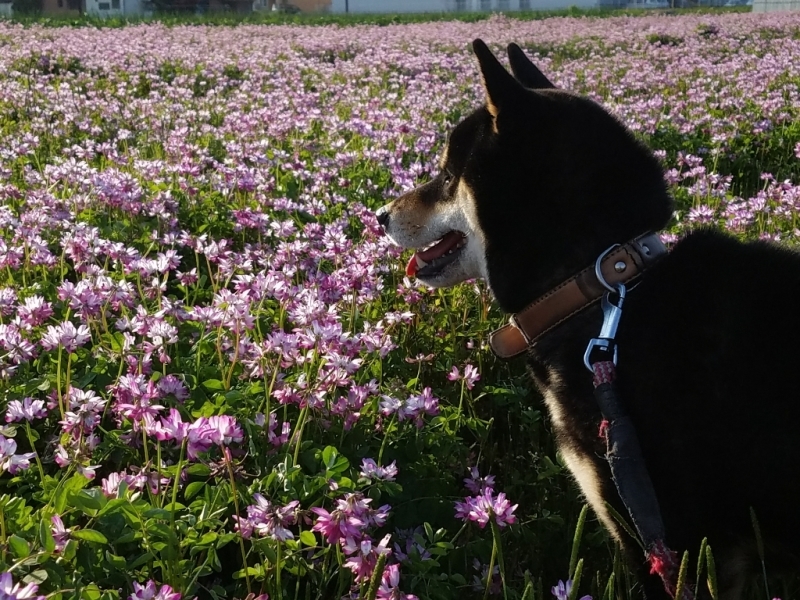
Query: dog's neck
point(621, 265)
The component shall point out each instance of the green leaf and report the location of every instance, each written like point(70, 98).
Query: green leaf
point(69, 550)
point(213, 385)
point(91, 592)
point(86, 501)
point(329, 455)
point(118, 562)
point(46, 536)
point(193, 489)
point(198, 469)
point(146, 557)
point(158, 513)
point(308, 538)
point(37, 577)
point(90, 535)
point(71, 485)
point(19, 546)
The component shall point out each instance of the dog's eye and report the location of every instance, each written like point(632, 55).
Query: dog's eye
point(447, 177)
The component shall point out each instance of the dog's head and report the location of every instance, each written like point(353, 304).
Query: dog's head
point(532, 187)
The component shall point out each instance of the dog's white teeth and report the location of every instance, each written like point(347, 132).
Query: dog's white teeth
point(421, 264)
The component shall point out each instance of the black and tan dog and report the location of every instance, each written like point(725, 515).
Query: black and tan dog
point(533, 187)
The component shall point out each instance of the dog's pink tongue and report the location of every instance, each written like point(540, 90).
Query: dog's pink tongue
point(440, 248)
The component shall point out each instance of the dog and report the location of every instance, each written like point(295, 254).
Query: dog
point(535, 186)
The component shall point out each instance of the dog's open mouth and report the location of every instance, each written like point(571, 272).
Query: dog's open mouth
point(431, 261)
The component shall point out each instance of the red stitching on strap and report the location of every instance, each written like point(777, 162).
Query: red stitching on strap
point(604, 372)
point(664, 563)
point(603, 432)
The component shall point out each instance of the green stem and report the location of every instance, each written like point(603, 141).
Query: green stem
point(234, 493)
point(490, 572)
point(58, 384)
point(35, 453)
point(498, 548)
point(299, 433)
point(385, 439)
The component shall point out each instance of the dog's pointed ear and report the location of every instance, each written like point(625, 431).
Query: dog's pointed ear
point(525, 71)
point(502, 90)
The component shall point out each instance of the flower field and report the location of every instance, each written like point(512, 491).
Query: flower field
point(216, 381)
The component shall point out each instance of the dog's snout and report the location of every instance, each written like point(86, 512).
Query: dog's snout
point(382, 214)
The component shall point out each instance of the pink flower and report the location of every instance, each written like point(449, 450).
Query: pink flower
point(337, 525)
point(223, 430)
point(485, 507)
point(470, 376)
point(172, 427)
point(199, 438)
point(363, 555)
point(390, 581)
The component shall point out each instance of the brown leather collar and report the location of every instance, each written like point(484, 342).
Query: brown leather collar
point(620, 265)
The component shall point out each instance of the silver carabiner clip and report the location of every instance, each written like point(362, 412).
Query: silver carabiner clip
point(612, 312)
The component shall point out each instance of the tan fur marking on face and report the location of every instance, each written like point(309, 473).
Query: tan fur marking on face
point(445, 155)
point(466, 200)
point(411, 210)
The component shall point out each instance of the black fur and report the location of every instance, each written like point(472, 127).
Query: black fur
point(708, 339)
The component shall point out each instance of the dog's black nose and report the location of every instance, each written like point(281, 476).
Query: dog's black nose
point(383, 216)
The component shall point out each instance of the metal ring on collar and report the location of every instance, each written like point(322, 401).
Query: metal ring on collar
point(599, 273)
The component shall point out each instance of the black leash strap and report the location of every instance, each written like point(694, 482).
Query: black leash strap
point(623, 452)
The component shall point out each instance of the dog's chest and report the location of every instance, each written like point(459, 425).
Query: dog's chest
point(576, 422)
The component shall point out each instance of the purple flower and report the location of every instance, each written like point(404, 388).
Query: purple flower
point(27, 410)
point(477, 484)
point(267, 519)
point(172, 385)
point(11, 591)
point(371, 470)
point(562, 590)
point(150, 591)
point(66, 335)
point(418, 406)
point(11, 462)
point(60, 533)
point(34, 311)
